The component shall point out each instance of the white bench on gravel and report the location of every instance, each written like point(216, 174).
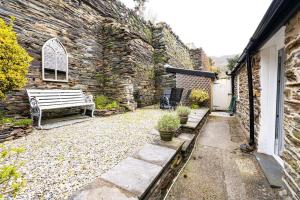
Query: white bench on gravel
point(41, 100)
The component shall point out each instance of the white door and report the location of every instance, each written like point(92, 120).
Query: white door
point(221, 94)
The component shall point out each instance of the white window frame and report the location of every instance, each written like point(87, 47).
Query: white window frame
point(43, 63)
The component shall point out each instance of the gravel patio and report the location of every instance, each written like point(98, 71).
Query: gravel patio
point(62, 160)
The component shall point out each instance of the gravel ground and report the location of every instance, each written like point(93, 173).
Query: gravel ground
point(62, 160)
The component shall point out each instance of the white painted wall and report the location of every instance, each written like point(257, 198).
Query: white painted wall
point(268, 74)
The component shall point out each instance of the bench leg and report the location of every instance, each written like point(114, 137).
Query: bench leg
point(92, 112)
point(84, 111)
point(40, 119)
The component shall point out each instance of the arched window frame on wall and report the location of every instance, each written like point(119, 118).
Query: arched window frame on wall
point(59, 50)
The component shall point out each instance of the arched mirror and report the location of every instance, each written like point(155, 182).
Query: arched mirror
point(55, 61)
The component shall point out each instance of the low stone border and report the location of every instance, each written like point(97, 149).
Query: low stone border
point(106, 113)
point(9, 132)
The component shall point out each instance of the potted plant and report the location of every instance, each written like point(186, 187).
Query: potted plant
point(167, 126)
point(183, 113)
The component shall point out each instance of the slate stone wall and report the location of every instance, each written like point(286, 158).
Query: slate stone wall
point(111, 50)
point(291, 155)
point(169, 49)
point(200, 59)
point(79, 30)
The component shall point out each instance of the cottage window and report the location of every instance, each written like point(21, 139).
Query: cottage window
point(54, 61)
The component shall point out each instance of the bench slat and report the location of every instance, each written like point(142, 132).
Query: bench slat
point(64, 106)
point(52, 91)
point(60, 102)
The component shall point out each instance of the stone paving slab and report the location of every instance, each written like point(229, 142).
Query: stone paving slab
point(186, 136)
point(175, 143)
point(133, 175)
point(101, 189)
point(155, 154)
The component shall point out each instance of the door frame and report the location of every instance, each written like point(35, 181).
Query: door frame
point(268, 100)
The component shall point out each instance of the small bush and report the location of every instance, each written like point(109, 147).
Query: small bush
point(102, 102)
point(183, 111)
point(112, 105)
point(198, 96)
point(11, 180)
point(195, 106)
point(6, 120)
point(14, 60)
point(168, 123)
point(23, 122)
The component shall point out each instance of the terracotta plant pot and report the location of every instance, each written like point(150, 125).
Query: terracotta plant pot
point(183, 119)
point(166, 135)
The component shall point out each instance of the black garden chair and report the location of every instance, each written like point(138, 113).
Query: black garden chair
point(171, 98)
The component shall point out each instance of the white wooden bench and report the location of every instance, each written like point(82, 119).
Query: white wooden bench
point(41, 100)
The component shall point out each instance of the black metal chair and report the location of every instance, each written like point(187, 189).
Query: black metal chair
point(171, 98)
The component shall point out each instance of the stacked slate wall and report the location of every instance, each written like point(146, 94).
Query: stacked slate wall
point(170, 50)
point(111, 50)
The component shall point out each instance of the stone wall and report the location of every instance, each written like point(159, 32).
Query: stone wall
point(169, 49)
point(291, 155)
point(78, 28)
point(111, 50)
point(200, 59)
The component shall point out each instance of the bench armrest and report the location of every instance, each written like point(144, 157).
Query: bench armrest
point(33, 102)
point(89, 99)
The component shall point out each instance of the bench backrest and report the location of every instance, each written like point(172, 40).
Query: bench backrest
point(56, 97)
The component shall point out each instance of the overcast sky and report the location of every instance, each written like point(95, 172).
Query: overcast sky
point(220, 27)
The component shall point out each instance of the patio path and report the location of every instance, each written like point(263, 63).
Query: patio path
point(218, 170)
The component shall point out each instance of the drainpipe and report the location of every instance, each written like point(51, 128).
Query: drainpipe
point(251, 99)
point(232, 85)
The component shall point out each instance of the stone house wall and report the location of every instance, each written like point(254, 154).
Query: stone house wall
point(242, 109)
point(291, 154)
point(291, 122)
point(189, 82)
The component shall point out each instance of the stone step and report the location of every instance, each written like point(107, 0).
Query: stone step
point(195, 118)
point(133, 175)
point(188, 138)
point(155, 154)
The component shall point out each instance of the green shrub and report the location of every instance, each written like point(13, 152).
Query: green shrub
point(6, 120)
point(14, 60)
point(102, 102)
point(23, 122)
point(198, 96)
point(195, 106)
point(183, 111)
point(11, 180)
point(112, 105)
point(168, 123)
